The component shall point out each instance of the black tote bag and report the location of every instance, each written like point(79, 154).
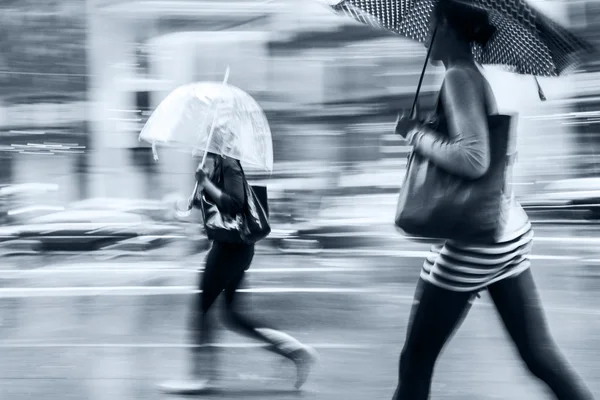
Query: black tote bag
point(435, 203)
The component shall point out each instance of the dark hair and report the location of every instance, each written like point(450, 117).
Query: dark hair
point(470, 22)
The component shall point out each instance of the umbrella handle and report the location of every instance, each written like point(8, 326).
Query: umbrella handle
point(414, 109)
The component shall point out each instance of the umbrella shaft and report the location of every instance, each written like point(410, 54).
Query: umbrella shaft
point(416, 100)
point(210, 136)
point(190, 206)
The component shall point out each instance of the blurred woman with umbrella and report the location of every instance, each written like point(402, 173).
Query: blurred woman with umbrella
point(462, 153)
point(234, 215)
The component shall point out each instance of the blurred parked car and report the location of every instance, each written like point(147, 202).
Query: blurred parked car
point(155, 209)
point(86, 230)
point(32, 227)
point(575, 199)
point(14, 208)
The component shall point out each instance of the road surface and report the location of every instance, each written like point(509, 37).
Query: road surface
point(112, 330)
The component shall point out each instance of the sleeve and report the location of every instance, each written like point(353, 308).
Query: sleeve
point(467, 154)
point(233, 196)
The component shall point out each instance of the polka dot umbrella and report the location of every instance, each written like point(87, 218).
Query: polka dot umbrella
point(525, 41)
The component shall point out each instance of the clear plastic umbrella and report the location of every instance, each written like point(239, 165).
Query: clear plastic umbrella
point(212, 117)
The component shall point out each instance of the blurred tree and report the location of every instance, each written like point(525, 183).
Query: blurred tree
point(42, 47)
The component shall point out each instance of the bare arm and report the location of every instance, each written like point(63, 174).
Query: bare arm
point(468, 153)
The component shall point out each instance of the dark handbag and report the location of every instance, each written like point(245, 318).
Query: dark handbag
point(435, 203)
point(249, 226)
point(262, 197)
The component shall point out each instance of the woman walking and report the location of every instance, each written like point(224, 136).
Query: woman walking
point(222, 182)
point(455, 272)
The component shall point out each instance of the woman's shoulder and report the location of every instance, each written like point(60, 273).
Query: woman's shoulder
point(463, 76)
point(461, 85)
point(466, 68)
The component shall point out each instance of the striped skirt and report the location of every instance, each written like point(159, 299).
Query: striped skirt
point(466, 267)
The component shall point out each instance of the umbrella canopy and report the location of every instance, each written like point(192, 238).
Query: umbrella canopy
point(213, 117)
point(525, 40)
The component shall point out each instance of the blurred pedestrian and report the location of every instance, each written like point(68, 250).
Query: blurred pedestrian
point(222, 182)
point(455, 272)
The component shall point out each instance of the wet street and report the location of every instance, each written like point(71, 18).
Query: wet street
point(113, 330)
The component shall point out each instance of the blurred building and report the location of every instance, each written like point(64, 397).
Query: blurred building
point(584, 18)
point(296, 58)
point(42, 95)
point(43, 139)
point(584, 100)
point(140, 50)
